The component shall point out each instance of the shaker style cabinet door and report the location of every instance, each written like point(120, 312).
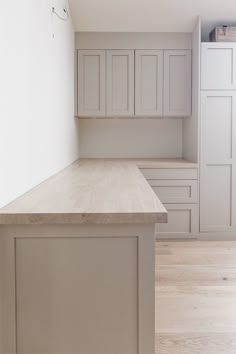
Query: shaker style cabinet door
point(218, 66)
point(218, 161)
point(120, 83)
point(182, 221)
point(91, 83)
point(177, 83)
point(149, 83)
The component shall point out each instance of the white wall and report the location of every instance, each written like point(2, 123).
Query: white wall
point(148, 15)
point(133, 137)
point(132, 40)
point(38, 133)
point(191, 125)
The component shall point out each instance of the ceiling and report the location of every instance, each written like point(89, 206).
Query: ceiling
point(149, 15)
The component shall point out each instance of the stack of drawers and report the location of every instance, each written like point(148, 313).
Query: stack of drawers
point(177, 188)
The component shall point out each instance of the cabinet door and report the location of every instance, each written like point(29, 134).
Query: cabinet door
point(91, 83)
point(218, 161)
point(218, 66)
point(120, 83)
point(182, 221)
point(149, 83)
point(177, 83)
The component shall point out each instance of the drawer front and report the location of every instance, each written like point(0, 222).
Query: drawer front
point(175, 191)
point(182, 219)
point(170, 173)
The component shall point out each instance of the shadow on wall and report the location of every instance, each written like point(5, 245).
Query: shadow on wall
point(130, 137)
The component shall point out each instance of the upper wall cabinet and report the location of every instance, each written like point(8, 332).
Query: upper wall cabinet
point(120, 83)
point(218, 66)
point(177, 83)
point(91, 83)
point(106, 80)
point(149, 83)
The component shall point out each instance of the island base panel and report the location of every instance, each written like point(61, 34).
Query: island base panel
point(77, 289)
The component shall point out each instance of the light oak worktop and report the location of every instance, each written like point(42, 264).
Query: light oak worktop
point(93, 191)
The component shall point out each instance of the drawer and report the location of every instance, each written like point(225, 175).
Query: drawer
point(175, 191)
point(170, 173)
point(182, 219)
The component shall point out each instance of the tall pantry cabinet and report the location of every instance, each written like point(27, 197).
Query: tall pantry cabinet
point(218, 138)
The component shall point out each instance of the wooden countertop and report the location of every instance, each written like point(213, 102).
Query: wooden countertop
point(93, 191)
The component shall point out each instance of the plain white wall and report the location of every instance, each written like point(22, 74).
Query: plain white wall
point(191, 125)
point(134, 137)
point(149, 15)
point(38, 133)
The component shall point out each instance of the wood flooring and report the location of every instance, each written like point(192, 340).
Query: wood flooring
point(195, 297)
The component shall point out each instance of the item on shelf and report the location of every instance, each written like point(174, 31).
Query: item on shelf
point(223, 34)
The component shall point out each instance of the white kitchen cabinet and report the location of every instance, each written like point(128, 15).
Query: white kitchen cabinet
point(91, 83)
point(218, 66)
point(65, 284)
point(149, 83)
point(177, 83)
point(218, 161)
point(177, 189)
point(112, 84)
point(120, 83)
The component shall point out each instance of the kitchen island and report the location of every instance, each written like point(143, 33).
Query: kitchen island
point(77, 262)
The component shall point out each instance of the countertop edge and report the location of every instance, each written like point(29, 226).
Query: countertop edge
point(83, 218)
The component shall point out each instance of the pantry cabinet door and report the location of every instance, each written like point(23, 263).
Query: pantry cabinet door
point(120, 83)
point(177, 83)
point(91, 83)
point(149, 83)
point(218, 66)
point(218, 161)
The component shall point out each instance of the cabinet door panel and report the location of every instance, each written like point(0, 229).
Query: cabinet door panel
point(217, 198)
point(120, 83)
point(91, 83)
point(217, 172)
point(149, 83)
point(66, 291)
point(182, 219)
point(218, 66)
point(218, 127)
point(177, 83)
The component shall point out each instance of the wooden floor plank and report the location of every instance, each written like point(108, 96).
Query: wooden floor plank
point(196, 275)
point(192, 244)
point(189, 343)
point(197, 259)
point(207, 291)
